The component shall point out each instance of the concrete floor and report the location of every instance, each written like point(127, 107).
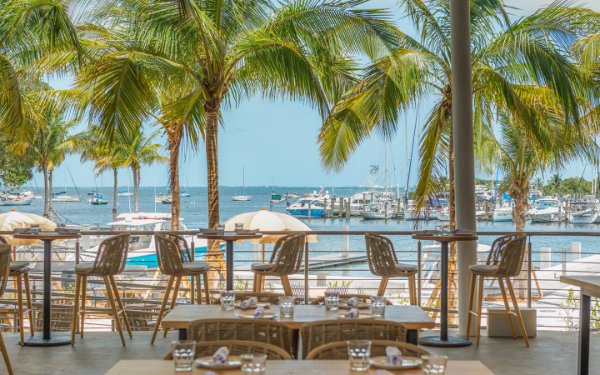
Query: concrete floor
point(551, 353)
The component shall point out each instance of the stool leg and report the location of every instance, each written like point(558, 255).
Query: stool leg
point(287, 287)
point(174, 300)
point(198, 289)
point(19, 281)
point(206, 289)
point(75, 322)
point(382, 286)
point(120, 305)
point(255, 283)
point(517, 311)
point(192, 287)
point(162, 309)
point(471, 297)
point(479, 308)
point(507, 308)
point(29, 304)
point(5, 355)
point(82, 313)
point(412, 290)
point(113, 307)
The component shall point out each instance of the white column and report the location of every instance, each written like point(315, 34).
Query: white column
point(464, 163)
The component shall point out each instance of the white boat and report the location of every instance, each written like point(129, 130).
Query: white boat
point(443, 215)
point(183, 194)
point(62, 197)
point(162, 197)
point(547, 210)
point(125, 193)
point(410, 214)
point(12, 200)
point(242, 197)
point(378, 211)
point(307, 207)
point(587, 216)
point(502, 214)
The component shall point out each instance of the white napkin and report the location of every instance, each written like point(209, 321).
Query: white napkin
point(352, 302)
point(220, 356)
point(258, 313)
point(247, 303)
point(393, 356)
point(463, 232)
point(353, 313)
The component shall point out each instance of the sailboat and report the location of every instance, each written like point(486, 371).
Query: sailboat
point(242, 197)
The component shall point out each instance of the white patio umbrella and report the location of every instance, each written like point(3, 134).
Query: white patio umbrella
point(12, 220)
point(266, 221)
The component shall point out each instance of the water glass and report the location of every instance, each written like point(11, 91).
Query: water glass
point(286, 306)
point(378, 306)
point(434, 364)
point(239, 227)
point(253, 364)
point(332, 301)
point(220, 229)
point(227, 301)
point(184, 353)
point(359, 352)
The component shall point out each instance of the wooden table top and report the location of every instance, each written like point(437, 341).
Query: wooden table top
point(590, 285)
point(230, 236)
point(413, 317)
point(443, 236)
point(328, 367)
point(47, 236)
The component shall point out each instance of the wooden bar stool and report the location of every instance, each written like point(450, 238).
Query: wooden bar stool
point(504, 261)
point(286, 260)
point(175, 261)
point(4, 272)
point(384, 262)
point(110, 261)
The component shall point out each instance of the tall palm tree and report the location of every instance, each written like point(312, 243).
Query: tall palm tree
point(219, 52)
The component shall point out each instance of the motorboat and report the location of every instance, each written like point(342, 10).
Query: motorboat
point(307, 207)
point(97, 201)
point(547, 210)
point(168, 200)
point(241, 198)
point(162, 197)
point(378, 211)
point(277, 198)
point(125, 193)
point(590, 215)
point(15, 199)
point(411, 215)
point(502, 214)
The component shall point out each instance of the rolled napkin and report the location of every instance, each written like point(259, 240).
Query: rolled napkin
point(393, 356)
point(220, 356)
point(258, 313)
point(353, 313)
point(353, 302)
point(247, 303)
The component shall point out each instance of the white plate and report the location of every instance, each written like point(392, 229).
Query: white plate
point(407, 363)
point(251, 316)
point(233, 362)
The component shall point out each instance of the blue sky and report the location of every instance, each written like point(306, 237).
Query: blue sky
point(276, 143)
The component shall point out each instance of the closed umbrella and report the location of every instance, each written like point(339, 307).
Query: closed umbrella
point(14, 220)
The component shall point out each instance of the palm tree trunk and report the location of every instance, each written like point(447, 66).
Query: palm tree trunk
point(519, 195)
point(452, 274)
point(47, 192)
point(50, 209)
point(136, 182)
point(175, 135)
point(115, 188)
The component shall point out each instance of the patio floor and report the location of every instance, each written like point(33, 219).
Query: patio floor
point(550, 353)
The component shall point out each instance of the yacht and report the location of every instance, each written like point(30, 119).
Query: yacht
point(410, 214)
point(502, 214)
point(308, 207)
point(15, 199)
point(547, 210)
point(378, 211)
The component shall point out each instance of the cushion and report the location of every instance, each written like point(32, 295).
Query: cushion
point(19, 266)
point(405, 268)
point(262, 266)
point(196, 266)
point(84, 267)
point(484, 269)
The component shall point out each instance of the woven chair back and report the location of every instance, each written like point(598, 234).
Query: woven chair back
point(237, 347)
point(4, 266)
point(169, 254)
point(287, 254)
point(507, 253)
point(184, 249)
point(339, 350)
point(260, 330)
point(327, 331)
point(380, 254)
point(111, 256)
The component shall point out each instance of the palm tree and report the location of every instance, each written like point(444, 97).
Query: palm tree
point(217, 53)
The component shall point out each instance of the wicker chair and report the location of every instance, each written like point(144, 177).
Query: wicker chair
point(19, 271)
point(339, 349)
point(327, 331)
point(286, 259)
point(4, 272)
point(110, 261)
point(383, 262)
point(504, 261)
point(362, 298)
point(260, 330)
point(237, 347)
point(175, 261)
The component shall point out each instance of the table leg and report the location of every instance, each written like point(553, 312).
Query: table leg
point(229, 264)
point(583, 362)
point(412, 336)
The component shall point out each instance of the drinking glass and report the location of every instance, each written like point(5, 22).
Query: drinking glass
point(378, 306)
point(220, 229)
point(253, 364)
point(227, 301)
point(239, 227)
point(332, 301)
point(286, 306)
point(359, 352)
point(183, 355)
point(434, 364)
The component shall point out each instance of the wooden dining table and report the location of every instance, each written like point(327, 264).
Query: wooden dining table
point(291, 367)
point(412, 317)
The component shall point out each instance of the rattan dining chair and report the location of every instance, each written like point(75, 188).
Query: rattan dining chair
point(339, 349)
point(384, 262)
point(260, 330)
point(110, 261)
point(19, 271)
point(286, 260)
point(175, 261)
point(237, 347)
point(4, 272)
point(323, 332)
point(504, 261)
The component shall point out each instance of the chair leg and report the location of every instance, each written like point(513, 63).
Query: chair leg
point(5, 355)
point(162, 309)
point(113, 307)
point(29, 304)
point(479, 308)
point(120, 305)
point(174, 300)
point(382, 286)
point(287, 287)
point(471, 297)
point(81, 316)
point(509, 314)
point(517, 311)
point(255, 283)
point(75, 321)
point(206, 288)
point(412, 290)
point(19, 282)
point(192, 288)
point(198, 289)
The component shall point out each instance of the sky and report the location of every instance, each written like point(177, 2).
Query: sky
point(275, 143)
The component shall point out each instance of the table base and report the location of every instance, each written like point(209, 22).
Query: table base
point(453, 341)
point(54, 341)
